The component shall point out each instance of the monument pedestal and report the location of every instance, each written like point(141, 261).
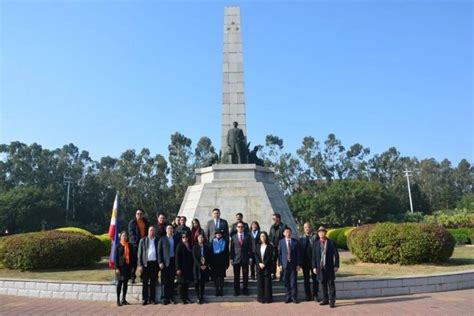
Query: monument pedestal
point(233, 188)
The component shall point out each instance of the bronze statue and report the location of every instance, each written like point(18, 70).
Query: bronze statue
point(236, 152)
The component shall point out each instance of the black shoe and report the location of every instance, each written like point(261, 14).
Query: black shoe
point(295, 301)
point(166, 301)
point(174, 302)
point(145, 302)
point(118, 303)
point(317, 299)
point(332, 304)
point(324, 303)
point(152, 302)
point(124, 302)
point(199, 302)
point(184, 302)
point(188, 301)
point(287, 301)
point(307, 299)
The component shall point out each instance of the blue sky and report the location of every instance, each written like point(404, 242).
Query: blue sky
point(115, 75)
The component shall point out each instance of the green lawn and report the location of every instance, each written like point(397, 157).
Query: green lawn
point(462, 259)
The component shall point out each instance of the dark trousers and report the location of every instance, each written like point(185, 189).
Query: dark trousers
point(289, 276)
point(167, 280)
point(252, 269)
point(183, 289)
point(264, 285)
point(245, 276)
point(331, 296)
point(200, 287)
point(307, 272)
point(149, 277)
point(134, 261)
point(122, 284)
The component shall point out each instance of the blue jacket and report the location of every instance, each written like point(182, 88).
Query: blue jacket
point(283, 252)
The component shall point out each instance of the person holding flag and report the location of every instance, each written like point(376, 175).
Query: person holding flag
point(113, 232)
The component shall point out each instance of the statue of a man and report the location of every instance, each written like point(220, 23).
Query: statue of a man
point(235, 144)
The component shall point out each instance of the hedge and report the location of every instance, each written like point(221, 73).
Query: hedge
point(76, 230)
point(339, 236)
point(408, 243)
point(106, 243)
point(50, 249)
point(463, 236)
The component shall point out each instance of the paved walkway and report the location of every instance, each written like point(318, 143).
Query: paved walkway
point(447, 303)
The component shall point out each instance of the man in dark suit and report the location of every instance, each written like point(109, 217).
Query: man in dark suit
point(326, 264)
point(240, 257)
point(239, 217)
point(276, 234)
point(137, 229)
point(182, 228)
point(217, 223)
point(307, 242)
point(166, 261)
point(148, 265)
point(288, 261)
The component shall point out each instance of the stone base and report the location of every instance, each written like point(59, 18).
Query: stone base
point(246, 188)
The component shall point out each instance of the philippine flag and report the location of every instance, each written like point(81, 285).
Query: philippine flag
point(113, 232)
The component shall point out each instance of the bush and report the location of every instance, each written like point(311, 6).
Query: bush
point(407, 243)
point(339, 236)
point(76, 230)
point(453, 219)
point(106, 243)
point(463, 236)
point(50, 249)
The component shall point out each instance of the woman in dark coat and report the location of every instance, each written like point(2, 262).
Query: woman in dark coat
point(264, 260)
point(201, 257)
point(255, 234)
point(219, 260)
point(184, 267)
point(124, 261)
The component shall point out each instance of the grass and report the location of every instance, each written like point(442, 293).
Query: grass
point(462, 259)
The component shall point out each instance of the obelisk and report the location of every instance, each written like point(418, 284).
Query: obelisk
point(246, 188)
point(233, 99)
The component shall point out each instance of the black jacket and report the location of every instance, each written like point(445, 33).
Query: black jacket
point(133, 231)
point(267, 259)
point(240, 254)
point(201, 275)
point(276, 234)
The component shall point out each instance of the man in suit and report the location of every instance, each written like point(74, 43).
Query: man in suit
point(288, 261)
point(137, 229)
point(217, 223)
point(148, 265)
point(240, 257)
point(276, 234)
point(182, 228)
point(166, 261)
point(326, 264)
point(239, 217)
point(307, 242)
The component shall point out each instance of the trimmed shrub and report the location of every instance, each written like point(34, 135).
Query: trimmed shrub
point(50, 249)
point(339, 236)
point(463, 236)
point(106, 243)
point(76, 230)
point(408, 243)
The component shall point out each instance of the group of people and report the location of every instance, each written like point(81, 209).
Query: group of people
point(184, 256)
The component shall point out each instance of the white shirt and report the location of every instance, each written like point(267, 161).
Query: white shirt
point(151, 250)
point(263, 247)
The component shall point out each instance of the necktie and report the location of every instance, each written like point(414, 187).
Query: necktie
point(289, 250)
point(241, 240)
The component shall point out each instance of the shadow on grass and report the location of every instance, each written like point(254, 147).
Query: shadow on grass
point(459, 261)
point(102, 265)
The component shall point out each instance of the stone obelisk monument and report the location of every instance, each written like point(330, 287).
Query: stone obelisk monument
point(232, 187)
point(233, 100)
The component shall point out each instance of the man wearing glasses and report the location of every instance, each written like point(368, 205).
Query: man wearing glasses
point(137, 229)
point(240, 258)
